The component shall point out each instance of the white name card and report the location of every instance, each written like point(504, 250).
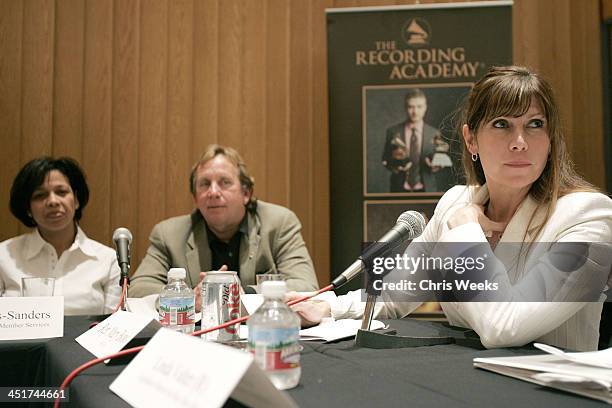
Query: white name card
point(251, 302)
point(23, 318)
point(176, 370)
point(111, 335)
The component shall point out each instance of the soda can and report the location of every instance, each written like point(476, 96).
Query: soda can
point(220, 304)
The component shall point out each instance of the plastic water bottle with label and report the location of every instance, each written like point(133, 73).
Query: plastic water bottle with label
point(274, 332)
point(177, 303)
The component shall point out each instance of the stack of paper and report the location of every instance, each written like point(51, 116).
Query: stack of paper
point(332, 330)
point(328, 330)
point(588, 374)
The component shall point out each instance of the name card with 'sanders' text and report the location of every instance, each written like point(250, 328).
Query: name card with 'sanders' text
point(23, 318)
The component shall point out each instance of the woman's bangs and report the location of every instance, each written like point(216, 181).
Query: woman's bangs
point(511, 100)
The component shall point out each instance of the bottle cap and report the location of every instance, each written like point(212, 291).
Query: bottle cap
point(177, 273)
point(273, 288)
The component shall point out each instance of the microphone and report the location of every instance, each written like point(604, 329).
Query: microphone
point(409, 225)
point(123, 238)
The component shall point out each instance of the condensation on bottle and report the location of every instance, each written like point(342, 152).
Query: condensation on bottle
point(274, 332)
point(177, 303)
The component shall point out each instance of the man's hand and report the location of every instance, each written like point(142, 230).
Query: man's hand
point(198, 289)
point(311, 312)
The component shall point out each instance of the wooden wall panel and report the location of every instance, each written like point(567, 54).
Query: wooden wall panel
point(205, 75)
point(319, 198)
point(68, 79)
point(277, 101)
point(136, 89)
point(587, 91)
point(125, 93)
point(179, 108)
point(606, 9)
point(97, 121)
point(300, 115)
point(11, 45)
point(230, 81)
point(253, 70)
point(152, 121)
point(37, 81)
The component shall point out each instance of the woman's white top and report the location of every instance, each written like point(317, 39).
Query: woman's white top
point(86, 274)
point(578, 217)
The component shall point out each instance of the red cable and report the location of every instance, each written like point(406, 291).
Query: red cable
point(303, 298)
point(121, 301)
point(125, 352)
point(123, 293)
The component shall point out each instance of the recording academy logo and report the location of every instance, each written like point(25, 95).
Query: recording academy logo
point(411, 56)
point(416, 32)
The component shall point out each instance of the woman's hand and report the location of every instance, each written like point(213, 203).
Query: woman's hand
point(474, 213)
point(198, 289)
point(311, 312)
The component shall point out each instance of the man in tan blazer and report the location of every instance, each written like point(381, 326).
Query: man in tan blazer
point(229, 227)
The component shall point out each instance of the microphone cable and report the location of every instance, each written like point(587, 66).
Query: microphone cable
point(134, 350)
point(122, 300)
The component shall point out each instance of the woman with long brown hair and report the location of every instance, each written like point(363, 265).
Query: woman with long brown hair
point(545, 232)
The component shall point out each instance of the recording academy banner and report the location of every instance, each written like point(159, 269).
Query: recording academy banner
point(389, 67)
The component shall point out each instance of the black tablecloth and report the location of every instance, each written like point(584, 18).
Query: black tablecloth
point(22, 362)
point(343, 375)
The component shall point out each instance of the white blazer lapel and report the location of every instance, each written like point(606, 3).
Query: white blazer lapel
point(515, 240)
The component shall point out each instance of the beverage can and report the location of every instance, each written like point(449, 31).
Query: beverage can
point(220, 304)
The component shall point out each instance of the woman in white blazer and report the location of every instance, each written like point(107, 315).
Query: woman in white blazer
point(521, 188)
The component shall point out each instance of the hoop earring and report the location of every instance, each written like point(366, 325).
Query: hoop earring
point(474, 157)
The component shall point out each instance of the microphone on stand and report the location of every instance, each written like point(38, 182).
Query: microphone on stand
point(409, 225)
point(122, 237)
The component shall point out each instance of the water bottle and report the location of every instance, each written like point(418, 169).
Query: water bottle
point(274, 332)
point(177, 303)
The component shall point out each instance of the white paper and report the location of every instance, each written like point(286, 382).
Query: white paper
point(555, 372)
point(328, 330)
point(331, 330)
point(251, 302)
point(145, 305)
point(111, 335)
point(24, 318)
point(176, 370)
point(602, 358)
point(553, 379)
point(550, 364)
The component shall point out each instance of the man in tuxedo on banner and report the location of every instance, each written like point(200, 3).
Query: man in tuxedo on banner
point(407, 144)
